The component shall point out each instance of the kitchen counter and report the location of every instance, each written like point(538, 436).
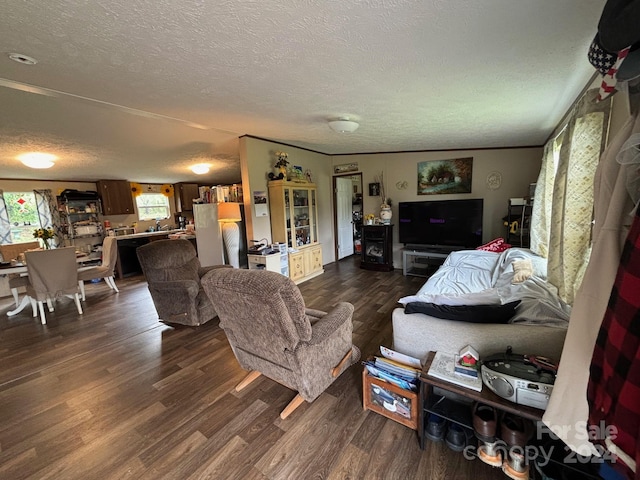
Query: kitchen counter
point(127, 263)
point(154, 234)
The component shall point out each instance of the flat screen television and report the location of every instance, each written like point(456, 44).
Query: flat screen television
point(441, 223)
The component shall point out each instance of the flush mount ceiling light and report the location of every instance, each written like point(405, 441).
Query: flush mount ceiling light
point(23, 59)
point(200, 169)
point(37, 159)
point(343, 125)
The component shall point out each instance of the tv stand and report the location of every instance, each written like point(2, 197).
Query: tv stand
point(417, 260)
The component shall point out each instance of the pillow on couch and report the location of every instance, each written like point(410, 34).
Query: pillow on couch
point(466, 313)
point(498, 245)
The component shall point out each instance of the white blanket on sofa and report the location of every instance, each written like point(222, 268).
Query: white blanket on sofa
point(477, 277)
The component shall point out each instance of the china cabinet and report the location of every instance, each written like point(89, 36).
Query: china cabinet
point(294, 214)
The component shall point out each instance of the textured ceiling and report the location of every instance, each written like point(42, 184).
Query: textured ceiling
point(141, 89)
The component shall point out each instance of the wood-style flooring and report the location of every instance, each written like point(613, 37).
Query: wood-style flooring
point(114, 394)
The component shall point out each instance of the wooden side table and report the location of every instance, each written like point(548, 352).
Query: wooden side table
point(457, 406)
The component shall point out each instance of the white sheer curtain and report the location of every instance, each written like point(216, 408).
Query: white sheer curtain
point(48, 214)
point(563, 208)
point(5, 225)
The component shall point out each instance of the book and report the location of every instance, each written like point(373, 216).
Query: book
point(443, 367)
point(400, 357)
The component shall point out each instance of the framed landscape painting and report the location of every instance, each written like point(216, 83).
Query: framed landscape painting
point(445, 176)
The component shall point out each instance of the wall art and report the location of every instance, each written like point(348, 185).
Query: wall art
point(445, 176)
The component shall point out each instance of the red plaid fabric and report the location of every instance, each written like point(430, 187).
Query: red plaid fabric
point(613, 391)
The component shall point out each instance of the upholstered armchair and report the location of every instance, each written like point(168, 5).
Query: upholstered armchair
point(272, 333)
point(173, 272)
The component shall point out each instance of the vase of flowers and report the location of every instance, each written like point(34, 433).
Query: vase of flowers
point(44, 235)
point(282, 162)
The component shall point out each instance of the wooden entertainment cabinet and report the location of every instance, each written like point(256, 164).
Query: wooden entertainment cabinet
point(377, 248)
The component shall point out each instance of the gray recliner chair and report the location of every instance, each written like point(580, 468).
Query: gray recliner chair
point(173, 272)
point(273, 334)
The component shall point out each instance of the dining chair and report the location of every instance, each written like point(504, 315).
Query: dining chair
point(10, 252)
point(52, 273)
point(109, 259)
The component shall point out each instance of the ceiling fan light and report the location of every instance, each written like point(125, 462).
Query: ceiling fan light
point(37, 160)
point(200, 169)
point(343, 125)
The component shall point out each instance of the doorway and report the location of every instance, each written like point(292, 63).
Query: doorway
point(347, 213)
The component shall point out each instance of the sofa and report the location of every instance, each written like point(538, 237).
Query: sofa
point(460, 302)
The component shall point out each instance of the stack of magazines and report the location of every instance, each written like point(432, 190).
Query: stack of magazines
point(395, 368)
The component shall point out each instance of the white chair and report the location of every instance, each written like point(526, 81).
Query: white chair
point(52, 273)
point(109, 258)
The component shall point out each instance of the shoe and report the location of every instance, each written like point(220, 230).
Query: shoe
point(436, 426)
point(515, 431)
point(485, 422)
point(458, 437)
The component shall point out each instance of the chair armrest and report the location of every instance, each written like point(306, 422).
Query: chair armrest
point(314, 314)
point(328, 324)
point(203, 270)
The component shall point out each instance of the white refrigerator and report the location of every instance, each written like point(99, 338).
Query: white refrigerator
point(208, 234)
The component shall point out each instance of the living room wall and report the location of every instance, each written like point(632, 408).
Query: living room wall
point(257, 158)
point(519, 167)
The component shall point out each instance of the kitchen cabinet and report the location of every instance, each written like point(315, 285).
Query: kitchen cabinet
point(294, 214)
point(116, 197)
point(185, 193)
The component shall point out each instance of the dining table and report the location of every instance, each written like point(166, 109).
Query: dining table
point(84, 261)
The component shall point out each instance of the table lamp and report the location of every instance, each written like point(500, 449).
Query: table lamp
point(228, 215)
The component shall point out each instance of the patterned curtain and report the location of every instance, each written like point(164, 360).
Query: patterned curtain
point(48, 213)
point(541, 215)
point(572, 199)
point(5, 226)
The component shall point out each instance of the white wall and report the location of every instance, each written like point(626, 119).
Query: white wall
point(257, 158)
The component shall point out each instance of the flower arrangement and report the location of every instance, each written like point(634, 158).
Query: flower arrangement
point(44, 234)
point(368, 218)
point(167, 190)
point(136, 189)
point(282, 160)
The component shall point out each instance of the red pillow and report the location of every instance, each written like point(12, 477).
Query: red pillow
point(498, 245)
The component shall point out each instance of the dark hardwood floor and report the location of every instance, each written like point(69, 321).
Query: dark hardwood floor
point(115, 394)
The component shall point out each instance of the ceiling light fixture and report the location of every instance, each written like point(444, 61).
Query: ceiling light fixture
point(200, 169)
point(23, 59)
point(37, 159)
point(343, 125)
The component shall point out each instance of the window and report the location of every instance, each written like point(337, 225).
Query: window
point(152, 206)
point(23, 215)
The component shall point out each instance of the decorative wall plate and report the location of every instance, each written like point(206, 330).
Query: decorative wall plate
point(494, 180)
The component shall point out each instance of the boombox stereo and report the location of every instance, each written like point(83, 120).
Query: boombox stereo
point(523, 379)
